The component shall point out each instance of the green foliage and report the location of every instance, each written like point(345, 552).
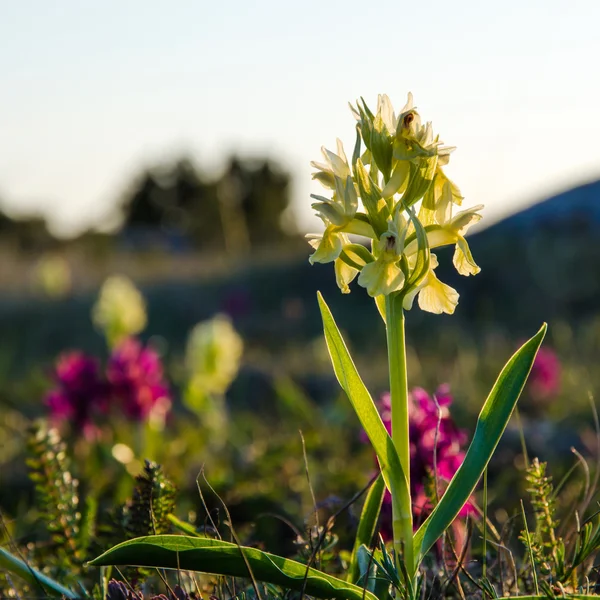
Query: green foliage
point(492, 422)
point(37, 581)
point(224, 558)
point(563, 562)
point(58, 499)
point(367, 526)
point(542, 543)
point(152, 503)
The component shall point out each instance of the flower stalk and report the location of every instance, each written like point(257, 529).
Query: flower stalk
point(402, 523)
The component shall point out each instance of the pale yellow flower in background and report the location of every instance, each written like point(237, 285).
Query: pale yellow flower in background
point(212, 361)
point(52, 275)
point(120, 310)
point(213, 355)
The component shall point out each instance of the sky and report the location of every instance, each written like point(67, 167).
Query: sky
point(93, 92)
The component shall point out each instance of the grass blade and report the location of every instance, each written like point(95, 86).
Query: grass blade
point(492, 422)
point(33, 577)
point(366, 525)
point(224, 558)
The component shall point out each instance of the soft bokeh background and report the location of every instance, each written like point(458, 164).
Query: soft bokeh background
point(170, 142)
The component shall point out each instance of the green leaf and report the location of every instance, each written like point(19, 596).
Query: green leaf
point(382, 147)
point(356, 152)
point(33, 577)
point(367, 412)
point(372, 199)
point(421, 177)
point(366, 525)
point(423, 261)
point(492, 422)
point(183, 526)
point(356, 256)
point(223, 558)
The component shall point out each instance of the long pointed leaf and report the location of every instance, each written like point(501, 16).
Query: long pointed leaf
point(33, 577)
point(492, 422)
point(348, 377)
point(366, 525)
point(223, 558)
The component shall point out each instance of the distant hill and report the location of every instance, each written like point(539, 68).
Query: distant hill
point(541, 263)
point(575, 207)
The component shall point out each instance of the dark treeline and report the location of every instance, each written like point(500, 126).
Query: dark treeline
point(176, 206)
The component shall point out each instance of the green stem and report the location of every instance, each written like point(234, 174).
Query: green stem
point(401, 507)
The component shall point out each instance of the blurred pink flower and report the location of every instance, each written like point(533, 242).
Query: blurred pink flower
point(544, 379)
point(135, 377)
point(436, 450)
point(80, 392)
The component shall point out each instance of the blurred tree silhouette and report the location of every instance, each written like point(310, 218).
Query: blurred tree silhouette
point(241, 209)
point(263, 197)
point(27, 234)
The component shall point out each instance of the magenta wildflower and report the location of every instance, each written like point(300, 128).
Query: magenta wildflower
point(135, 376)
point(80, 392)
point(544, 380)
point(436, 450)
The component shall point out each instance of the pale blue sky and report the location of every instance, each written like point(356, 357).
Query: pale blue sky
point(92, 91)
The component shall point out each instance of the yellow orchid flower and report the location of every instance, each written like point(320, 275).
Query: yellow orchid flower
point(384, 275)
point(378, 194)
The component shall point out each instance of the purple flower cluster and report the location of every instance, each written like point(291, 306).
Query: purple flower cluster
point(136, 380)
point(436, 450)
point(544, 379)
point(80, 393)
point(133, 384)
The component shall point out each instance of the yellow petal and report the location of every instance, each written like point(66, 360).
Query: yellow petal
point(464, 219)
point(463, 259)
point(327, 246)
point(399, 179)
point(344, 275)
point(381, 278)
point(437, 297)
